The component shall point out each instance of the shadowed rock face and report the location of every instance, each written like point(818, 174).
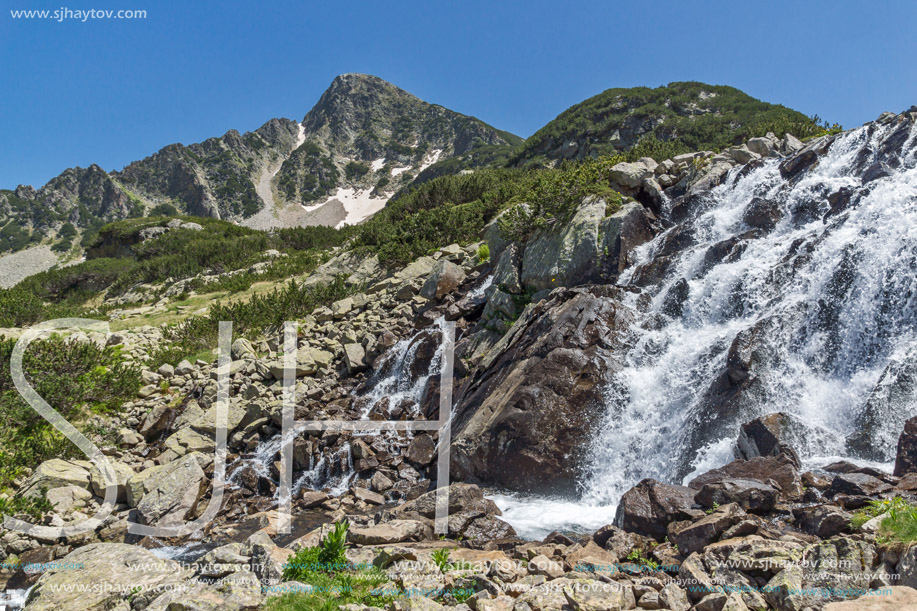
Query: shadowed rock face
point(525, 418)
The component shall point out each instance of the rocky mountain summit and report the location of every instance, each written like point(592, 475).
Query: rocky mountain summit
point(365, 137)
point(678, 343)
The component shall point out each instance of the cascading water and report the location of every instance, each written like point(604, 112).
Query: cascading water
point(402, 379)
point(321, 474)
point(817, 301)
point(404, 375)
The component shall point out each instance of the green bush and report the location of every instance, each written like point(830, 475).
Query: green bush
point(554, 196)
point(163, 210)
point(263, 313)
point(75, 378)
point(355, 170)
point(67, 230)
point(336, 582)
point(219, 248)
point(455, 209)
point(679, 114)
point(483, 253)
point(34, 507)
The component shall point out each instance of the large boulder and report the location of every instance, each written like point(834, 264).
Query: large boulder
point(780, 470)
point(692, 537)
point(507, 271)
point(857, 484)
point(823, 521)
point(123, 474)
point(394, 531)
point(814, 583)
point(564, 256)
point(585, 594)
point(631, 175)
point(650, 506)
point(462, 498)
point(751, 495)
point(56, 473)
point(445, 278)
point(174, 494)
point(769, 435)
point(589, 248)
point(521, 418)
point(355, 357)
point(109, 577)
point(238, 591)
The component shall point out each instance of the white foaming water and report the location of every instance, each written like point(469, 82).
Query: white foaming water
point(260, 461)
point(335, 473)
point(832, 302)
point(398, 385)
point(13, 600)
point(321, 474)
point(479, 291)
point(533, 518)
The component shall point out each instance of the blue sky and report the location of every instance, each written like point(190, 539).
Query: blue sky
point(113, 91)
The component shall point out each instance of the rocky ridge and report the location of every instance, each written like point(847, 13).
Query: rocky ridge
point(364, 135)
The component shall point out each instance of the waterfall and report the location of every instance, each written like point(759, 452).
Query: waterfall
point(407, 368)
point(402, 378)
point(809, 283)
point(322, 473)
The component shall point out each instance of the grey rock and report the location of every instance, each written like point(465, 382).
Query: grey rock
point(174, 494)
point(445, 278)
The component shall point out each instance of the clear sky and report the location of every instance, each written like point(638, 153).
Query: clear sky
point(113, 91)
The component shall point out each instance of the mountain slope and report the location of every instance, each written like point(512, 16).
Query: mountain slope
point(363, 140)
point(217, 177)
point(691, 115)
point(367, 138)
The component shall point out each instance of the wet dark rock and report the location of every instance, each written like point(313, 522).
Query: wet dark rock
point(814, 480)
point(751, 495)
point(521, 418)
point(486, 528)
point(843, 466)
point(906, 458)
point(776, 471)
point(421, 450)
point(694, 536)
point(618, 541)
point(839, 200)
point(823, 521)
point(762, 214)
point(856, 484)
point(648, 507)
point(675, 298)
point(796, 164)
point(726, 251)
point(769, 435)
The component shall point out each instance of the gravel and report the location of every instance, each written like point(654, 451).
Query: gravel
point(16, 266)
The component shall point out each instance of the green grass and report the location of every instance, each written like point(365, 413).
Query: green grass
point(118, 261)
point(34, 507)
point(262, 313)
point(901, 524)
point(335, 581)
